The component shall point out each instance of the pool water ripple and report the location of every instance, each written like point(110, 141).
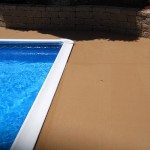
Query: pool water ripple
point(20, 82)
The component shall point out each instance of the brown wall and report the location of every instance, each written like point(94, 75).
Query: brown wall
point(97, 18)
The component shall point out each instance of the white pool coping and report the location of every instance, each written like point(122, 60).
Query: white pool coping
point(29, 132)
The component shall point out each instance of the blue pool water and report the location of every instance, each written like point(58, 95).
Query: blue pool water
point(23, 69)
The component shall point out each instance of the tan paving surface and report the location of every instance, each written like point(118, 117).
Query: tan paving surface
point(103, 100)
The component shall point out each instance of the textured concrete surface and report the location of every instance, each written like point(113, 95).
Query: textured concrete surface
point(103, 100)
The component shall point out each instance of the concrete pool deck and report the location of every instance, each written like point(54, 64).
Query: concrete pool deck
point(103, 99)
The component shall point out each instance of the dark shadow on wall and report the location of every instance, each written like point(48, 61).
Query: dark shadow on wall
point(83, 35)
point(118, 27)
point(90, 35)
point(80, 35)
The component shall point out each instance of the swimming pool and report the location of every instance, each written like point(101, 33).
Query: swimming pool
point(24, 66)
